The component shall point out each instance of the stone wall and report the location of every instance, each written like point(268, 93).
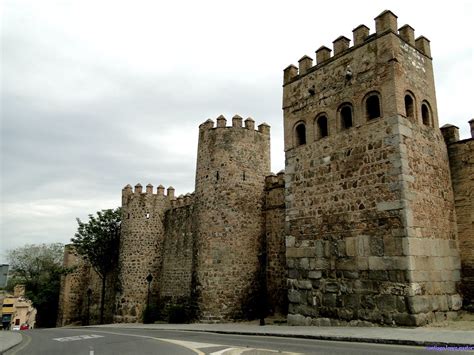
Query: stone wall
point(72, 288)
point(275, 244)
point(178, 272)
point(76, 304)
point(461, 159)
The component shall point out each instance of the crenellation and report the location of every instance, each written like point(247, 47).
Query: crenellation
point(221, 121)
point(407, 33)
point(149, 189)
point(138, 189)
point(160, 190)
point(341, 44)
point(386, 21)
point(250, 123)
point(423, 45)
point(322, 54)
point(237, 121)
point(290, 73)
point(305, 63)
point(264, 128)
point(360, 33)
point(170, 193)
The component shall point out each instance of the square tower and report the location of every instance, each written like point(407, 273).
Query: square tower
point(370, 219)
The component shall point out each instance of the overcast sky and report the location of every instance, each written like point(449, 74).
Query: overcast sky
point(99, 94)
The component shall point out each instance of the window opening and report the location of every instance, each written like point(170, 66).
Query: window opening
point(346, 116)
point(300, 134)
point(409, 110)
point(323, 127)
point(425, 114)
point(373, 107)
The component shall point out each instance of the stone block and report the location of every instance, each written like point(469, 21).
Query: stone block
point(419, 304)
point(304, 284)
point(329, 300)
point(351, 246)
point(331, 287)
point(294, 296)
point(294, 252)
point(304, 263)
point(296, 319)
point(321, 322)
point(454, 302)
point(386, 302)
point(290, 241)
point(316, 274)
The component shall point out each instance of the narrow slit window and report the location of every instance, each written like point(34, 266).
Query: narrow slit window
point(217, 175)
point(243, 176)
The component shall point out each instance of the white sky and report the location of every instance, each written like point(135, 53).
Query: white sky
point(98, 94)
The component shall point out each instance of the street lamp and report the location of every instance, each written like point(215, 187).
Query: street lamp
point(149, 278)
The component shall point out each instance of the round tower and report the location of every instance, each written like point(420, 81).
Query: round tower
point(231, 167)
point(141, 244)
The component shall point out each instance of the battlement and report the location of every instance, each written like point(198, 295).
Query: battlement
point(249, 123)
point(385, 23)
point(275, 180)
point(183, 201)
point(451, 133)
point(128, 191)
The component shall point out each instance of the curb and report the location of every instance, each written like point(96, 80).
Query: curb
point(409, 342)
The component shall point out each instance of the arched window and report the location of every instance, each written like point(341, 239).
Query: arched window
point(345, 115)
point(426, 113)
point(300, 134)
point(409, 106)
point(372, 106)
point(322, 127)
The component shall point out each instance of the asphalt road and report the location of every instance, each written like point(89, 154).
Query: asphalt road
point(105, 341)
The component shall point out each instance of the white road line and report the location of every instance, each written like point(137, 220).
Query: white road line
point(78, 337)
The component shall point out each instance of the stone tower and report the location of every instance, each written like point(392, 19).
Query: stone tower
point(141, 248)
point(232, 163)
point(371, 229)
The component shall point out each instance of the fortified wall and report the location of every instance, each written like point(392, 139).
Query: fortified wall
point(371, 220)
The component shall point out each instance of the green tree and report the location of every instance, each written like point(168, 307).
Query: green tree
point(98, 241)
point(39, 268)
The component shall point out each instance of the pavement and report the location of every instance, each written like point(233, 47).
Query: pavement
point(8, 339)
point(383, 335)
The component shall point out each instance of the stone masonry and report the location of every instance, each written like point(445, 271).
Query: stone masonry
point(371, 231)
point(370, 222)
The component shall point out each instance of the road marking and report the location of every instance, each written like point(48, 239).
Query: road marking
point(79, 337)
point(184, 344)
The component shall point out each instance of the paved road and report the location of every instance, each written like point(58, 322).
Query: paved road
point(98, 341)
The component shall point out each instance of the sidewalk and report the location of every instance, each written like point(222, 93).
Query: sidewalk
point(386, 335)
point(8, 339)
